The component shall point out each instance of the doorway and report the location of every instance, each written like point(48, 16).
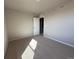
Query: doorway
point(41, 23)
point(38, 26)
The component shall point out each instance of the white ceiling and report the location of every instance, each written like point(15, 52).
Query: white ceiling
point(32, 6)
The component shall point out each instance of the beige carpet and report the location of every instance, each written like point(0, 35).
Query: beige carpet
point(38, 47)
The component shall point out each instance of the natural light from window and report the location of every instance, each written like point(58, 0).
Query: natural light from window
point(29, 51)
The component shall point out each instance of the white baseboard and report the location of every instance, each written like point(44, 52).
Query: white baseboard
point(21, 37)
point(18, 38)
point(58, 41)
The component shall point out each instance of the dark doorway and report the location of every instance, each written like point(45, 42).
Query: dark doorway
point(41, 25)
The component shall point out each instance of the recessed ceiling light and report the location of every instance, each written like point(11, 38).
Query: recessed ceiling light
point(38, 0)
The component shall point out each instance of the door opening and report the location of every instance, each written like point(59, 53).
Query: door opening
point(36, 26)
point(41, 26)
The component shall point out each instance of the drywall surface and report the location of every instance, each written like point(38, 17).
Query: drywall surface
point(19, 24)
point(5, 36)
point(59, 23)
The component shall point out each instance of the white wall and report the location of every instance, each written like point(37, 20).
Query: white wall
point(19, 24)
point(59, 24)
